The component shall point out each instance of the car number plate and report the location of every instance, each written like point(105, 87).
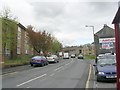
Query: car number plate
point(35, 60)
point(110, 76)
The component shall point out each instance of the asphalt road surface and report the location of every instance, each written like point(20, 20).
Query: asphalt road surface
point(68, 73)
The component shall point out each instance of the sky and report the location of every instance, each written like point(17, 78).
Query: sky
point(64, 19)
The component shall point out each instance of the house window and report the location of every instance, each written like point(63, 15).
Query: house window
point(26, 44)
point(7, 52)
point(19, 41)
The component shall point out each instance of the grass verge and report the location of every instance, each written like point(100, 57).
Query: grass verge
point(90, 57)
point(21, 60)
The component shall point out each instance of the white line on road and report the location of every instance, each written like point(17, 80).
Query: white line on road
point(87, 83)
point(13, 73)
point(52, 74)
point(31, 80)
point(28, 87)
point(58, 68)
point(67, 64)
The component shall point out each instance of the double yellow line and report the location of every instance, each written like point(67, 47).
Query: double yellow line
point(87, 83)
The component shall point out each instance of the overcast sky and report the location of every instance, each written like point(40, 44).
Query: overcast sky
point(65, 19)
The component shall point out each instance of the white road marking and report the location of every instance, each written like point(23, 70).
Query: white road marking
point(67, 64)
point(31, 80)
point(52, 74)
point(28, 87)
point(87, 83)
point(58, 68)
point(10, 73)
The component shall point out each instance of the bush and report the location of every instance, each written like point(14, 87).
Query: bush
point(21, 60)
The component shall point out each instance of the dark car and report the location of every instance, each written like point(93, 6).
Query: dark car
point(80, 56)
point(105, 69)
point(38, 60)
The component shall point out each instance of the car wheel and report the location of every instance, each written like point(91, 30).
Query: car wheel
point(98, 80)
point(42, 64)
point(31, 64)
point(46, 63)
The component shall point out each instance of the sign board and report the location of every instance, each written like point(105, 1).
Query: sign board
point(107, 43)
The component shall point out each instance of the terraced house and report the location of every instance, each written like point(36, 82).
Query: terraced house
point(15, 42)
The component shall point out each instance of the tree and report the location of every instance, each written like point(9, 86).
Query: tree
point(56, 46)
point(41, 41)
point(6, 13)
point(9, 29)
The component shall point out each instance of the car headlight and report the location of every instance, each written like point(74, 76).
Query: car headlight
point(102, 73)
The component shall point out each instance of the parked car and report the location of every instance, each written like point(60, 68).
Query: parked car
point(38, 60)
point(80, 56)
point(72, 55)
point(105, 69)
point(100, 56)
point(53, 58)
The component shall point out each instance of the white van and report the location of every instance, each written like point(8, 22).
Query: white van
point(66, 56)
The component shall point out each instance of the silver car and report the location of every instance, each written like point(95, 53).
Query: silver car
point(53, 58)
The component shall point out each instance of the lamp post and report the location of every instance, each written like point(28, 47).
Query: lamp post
point(92, 29)
point(93, 37)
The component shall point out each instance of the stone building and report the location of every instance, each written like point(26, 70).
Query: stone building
point(105, 40)
point(87, 49)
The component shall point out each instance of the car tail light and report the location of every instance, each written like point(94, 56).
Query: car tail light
point(41, 60)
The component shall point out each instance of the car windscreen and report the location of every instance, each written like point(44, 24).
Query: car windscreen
point(37, 57)
point(110, 61)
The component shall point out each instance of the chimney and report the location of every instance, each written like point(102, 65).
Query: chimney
point(105, 25)
point(118, 4)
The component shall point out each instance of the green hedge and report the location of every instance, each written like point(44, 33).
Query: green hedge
point(20, 60)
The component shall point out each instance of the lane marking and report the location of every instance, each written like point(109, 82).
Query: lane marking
point(58, 68)
point(67, 64)
point(10, 73)
point(52, 74)
point(28, 87)
point(87, 83)
point(31, 80)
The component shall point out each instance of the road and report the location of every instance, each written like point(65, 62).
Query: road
point(68, 73)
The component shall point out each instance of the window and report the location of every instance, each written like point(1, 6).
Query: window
point(26, 44)
point(19, 41)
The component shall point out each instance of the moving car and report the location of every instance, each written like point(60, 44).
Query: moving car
point(80, 56)
point(72, 55)
point(105, 69)
point(38, 60)
point(52, 58)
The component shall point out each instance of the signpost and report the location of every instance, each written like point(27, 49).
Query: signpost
point(116, 23)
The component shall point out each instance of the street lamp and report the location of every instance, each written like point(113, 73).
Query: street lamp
point(93, 37)
point(92, 29)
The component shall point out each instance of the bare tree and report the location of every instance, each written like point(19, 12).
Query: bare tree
point(6, 13)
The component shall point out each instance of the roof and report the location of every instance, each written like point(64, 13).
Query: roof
point(20, 25)
point(106, 31)
point(117, 17)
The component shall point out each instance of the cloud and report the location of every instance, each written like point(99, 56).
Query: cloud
point(65, 19)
